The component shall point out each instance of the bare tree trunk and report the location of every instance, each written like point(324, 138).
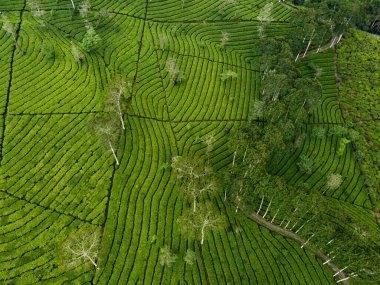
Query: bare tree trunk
point(303, 224)
point(16, 44)
point(122, 122)
point(203, 233)
point(307, 48)
point(275, 215)
point(225, 195)
point(93, 262)
point(266, 212)
point(262, 201)
point(333, 42)
point(245, 153)
point(233, 161)
point(72, 2)
point(195, 204)
point(306, 242)
point(344, 279)
point(327, 261)
point(113, 152)
point(340, 271)
point(340, 37)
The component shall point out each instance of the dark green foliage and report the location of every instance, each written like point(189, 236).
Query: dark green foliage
point(319, 132)
point(359, 70)
point(91, 40)
point(167, 258)
point(361, 13)
point(305, 164)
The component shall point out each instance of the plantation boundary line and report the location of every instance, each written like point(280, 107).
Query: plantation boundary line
point(139, 50)
point(114, 169)
point(200, 21)
point(212, 21)
point(10, 84)
point(164, 88)
point(214, 61)
point(288, 234)
point(46, 208)
point(51, 114)
point(223, 120)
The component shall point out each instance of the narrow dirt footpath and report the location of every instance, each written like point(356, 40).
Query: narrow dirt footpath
point(289, 234)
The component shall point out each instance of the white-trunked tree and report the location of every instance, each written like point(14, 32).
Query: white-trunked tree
point(82, 247)
point(204, 220)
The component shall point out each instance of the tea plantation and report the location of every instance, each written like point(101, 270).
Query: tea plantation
point(57, 179)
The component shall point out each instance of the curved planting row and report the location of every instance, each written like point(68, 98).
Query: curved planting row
point(60, 83)
point(322, 66)
point(6, 50)
point(143, 202)
point(204, 40)
point(54, 162)
point(31, 237)
point(191, 138)
point(186, 10)
point(204, 95)
point(134, 8)
point(149, 96)
point(362, 217)
point(327, 161)
point(11, 5)
point(263, 257)
point(146, 202)
point(120, 38)
point(47, 79)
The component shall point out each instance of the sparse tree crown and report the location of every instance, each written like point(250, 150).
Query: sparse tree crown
point(167, 258)
point(81, 248)
point(90, 40)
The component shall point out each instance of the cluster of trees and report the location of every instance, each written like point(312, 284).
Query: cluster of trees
point(198, 183)
point(249, 188)
point(82, 247)
point(107, 127)
point(167, 257)
point(364, 14)
point(91, 39)
point(287, 99)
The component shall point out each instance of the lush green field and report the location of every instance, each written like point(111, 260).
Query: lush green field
point(359, 70)
point(56, 178)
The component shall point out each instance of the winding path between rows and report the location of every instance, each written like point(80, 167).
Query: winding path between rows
point(289, 234)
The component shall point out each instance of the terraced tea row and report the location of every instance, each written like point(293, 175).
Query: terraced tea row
point(57, 178)
point(244, 254)
point(172, 10)
point(324, 153)
point(31, 237)
point(54, 162)
point(60, 84)
point(322, 66)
